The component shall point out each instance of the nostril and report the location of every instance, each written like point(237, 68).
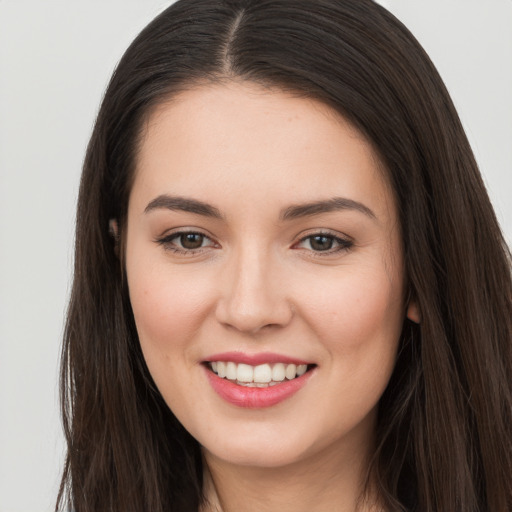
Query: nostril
point(253, 318)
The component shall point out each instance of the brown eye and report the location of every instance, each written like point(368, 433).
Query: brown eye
point(321, 243)
point(191, 240)
point(186, 242)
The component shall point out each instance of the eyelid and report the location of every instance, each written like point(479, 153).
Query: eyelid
point(166, 239)
point(344, 242)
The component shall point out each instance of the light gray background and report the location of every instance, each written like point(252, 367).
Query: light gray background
point(55, 60)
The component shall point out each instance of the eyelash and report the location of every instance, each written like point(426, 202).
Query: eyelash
point(169, 245)
point(343, 244)
point(168, 242)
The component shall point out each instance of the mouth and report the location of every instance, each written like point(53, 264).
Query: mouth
point(257, 385)
point(260, 376)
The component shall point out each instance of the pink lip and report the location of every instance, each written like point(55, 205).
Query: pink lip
point(255, 359)
point(255, 398)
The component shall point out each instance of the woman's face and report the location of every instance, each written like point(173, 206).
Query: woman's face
point(262, 237)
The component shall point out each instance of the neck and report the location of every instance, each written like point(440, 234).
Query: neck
point(327, 481)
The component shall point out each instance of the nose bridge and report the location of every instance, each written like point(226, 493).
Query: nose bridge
point(253, 293)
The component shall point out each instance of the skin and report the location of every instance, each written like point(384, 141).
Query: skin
point(258, 284)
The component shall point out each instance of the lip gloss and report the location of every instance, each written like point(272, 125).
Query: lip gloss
point(254, 397)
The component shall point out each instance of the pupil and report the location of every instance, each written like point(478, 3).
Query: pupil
point(321, 243)
point(191, 241)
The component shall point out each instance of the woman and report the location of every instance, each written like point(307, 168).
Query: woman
point(291, 291)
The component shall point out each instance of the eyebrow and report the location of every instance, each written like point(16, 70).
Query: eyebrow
point(183, 204)
point(190, 205)
point(329, 205)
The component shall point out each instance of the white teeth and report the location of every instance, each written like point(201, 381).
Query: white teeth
point(291, 371)
point(278, 372)
point(262, 375)
point(244, 373)
point(221, 369)
point(231, 371)
point(301, 369)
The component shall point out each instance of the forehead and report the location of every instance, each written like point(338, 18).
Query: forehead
point(258, 142)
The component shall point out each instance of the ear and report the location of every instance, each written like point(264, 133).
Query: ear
point(413, 312)
point(113, 229)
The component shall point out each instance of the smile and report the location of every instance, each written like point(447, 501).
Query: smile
point(261, 376)
point(256, 381)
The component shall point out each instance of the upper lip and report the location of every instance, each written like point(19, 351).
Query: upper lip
point(255, 359)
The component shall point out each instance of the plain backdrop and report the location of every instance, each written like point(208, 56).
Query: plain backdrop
point(55, 60)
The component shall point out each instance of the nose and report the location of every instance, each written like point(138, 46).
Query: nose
point(253, 294)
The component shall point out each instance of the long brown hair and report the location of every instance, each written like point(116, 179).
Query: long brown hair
point(444, 440)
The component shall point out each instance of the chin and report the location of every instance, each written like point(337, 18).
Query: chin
point(257, 455)
point(270, 447)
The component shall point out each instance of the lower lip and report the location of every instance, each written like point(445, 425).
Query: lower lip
point(256, 398)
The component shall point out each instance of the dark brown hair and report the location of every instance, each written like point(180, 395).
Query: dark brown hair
point(445, 420)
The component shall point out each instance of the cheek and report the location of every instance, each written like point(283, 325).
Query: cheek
point(357, 312)
point(358, 320)
point(168, 308)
